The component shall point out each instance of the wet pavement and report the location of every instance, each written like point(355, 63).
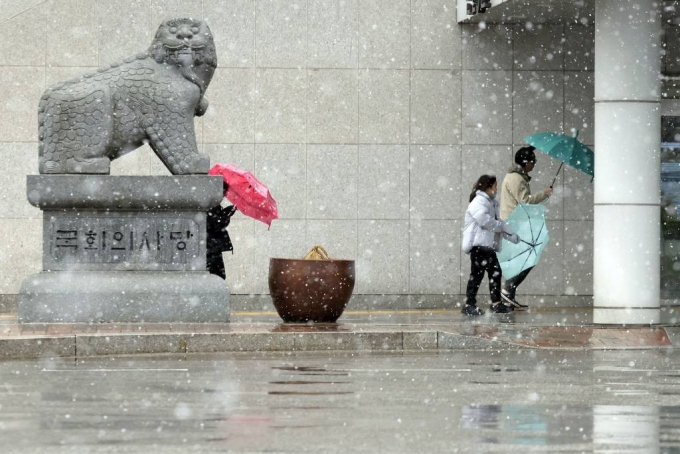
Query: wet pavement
point(529, 401)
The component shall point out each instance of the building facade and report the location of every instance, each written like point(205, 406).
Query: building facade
point(369, 119)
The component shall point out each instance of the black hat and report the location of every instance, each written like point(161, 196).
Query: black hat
point(524, 155)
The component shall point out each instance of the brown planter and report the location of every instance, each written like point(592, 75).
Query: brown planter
point(310, 290)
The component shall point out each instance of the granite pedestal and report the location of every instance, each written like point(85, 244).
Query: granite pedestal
point(124, 249)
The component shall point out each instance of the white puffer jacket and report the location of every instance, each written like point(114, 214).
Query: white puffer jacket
point(483, 226)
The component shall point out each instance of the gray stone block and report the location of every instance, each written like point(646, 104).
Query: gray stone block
point(538, 47)
point(106, 223)
point(281, 34)
point(349, 341)
point(332, 34)
point(37, 347)
point(382, 169)
point(487, 107)
point(251, 303)
point(435, 182)
point(280, 105)
point(124, 241)
point(538, 103)
point(123, 296)
point(332, 198)
point(20, 253)
point(450, 341)
point(434, 257)
point(578, 256)
point(19, 160)
point(20, 87)
point(73, 30)
point(384, 106)
point(435, 36)
point(579, 105)
point(383, 260)
point(384, 36)
point(332, 106)
point(420, 341)
point(231, 117)
point(436, 109)
point(488, 47)
point(284, 168)
point(129, 193)
point(29, 28)
point(235, 342)
point(129, 344)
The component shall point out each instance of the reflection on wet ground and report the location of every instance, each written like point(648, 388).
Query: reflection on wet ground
point(528, 401)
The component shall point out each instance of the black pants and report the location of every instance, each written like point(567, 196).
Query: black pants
point(484, 260)
point(215, 264)
point(510, 286)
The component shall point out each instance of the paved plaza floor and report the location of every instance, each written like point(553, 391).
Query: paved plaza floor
point(544, 380)
point(521, 401)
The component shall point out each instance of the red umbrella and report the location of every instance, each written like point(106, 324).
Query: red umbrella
point(247, 193)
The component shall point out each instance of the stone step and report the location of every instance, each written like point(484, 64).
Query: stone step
point(377, 331)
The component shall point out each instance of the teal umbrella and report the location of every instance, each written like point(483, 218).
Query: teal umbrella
point(567, 149)
point(528, 221)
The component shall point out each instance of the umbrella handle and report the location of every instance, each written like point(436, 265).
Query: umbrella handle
point(558, 172)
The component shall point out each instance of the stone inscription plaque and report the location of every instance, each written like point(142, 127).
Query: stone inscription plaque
point(124, 243)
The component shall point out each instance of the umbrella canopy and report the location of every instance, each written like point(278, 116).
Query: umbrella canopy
point(247, 193)
point(528, 221)
point(567, 149)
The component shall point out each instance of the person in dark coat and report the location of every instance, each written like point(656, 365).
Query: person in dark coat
point(218, 241)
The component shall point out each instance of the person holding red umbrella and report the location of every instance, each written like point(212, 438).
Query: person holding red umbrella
point(249, 196)
point(218, 241)
point(247, 193)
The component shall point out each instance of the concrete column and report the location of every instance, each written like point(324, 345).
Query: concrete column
point(627, 166)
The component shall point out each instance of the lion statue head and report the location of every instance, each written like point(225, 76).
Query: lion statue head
point(187, 44)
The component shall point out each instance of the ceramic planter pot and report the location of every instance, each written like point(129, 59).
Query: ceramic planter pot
point(310, 290)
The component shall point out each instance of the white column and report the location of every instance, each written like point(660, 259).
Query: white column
point(627, 166)
point(461, 10)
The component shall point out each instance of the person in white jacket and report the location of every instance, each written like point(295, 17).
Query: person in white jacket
point(482, 235)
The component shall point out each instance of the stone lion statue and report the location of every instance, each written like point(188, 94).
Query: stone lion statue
point(153, 96)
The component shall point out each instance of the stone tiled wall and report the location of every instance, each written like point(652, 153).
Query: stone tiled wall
point(369, 119)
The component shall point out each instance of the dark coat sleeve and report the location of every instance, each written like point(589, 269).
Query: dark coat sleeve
point(218, 219)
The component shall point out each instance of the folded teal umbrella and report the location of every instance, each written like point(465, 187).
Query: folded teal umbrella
point(528, 221)
point(567, 149)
